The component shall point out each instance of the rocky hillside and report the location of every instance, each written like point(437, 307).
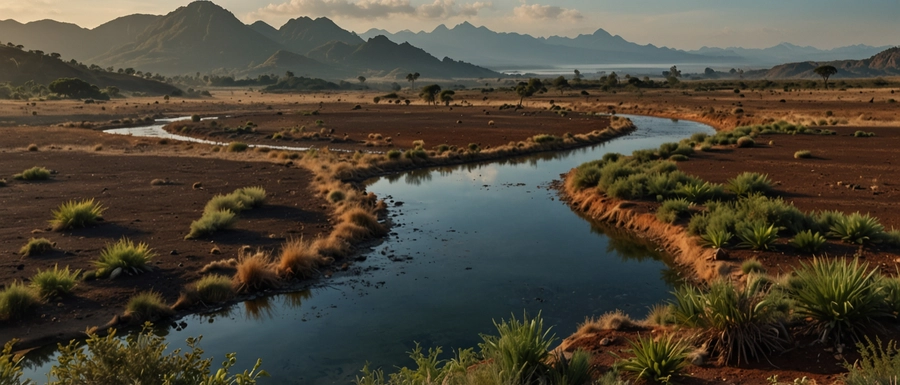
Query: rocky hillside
point(885, 63)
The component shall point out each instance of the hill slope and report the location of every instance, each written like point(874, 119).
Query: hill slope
point(885, 63)
point(18, 67)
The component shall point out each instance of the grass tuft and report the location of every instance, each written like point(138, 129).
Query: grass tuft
point(56, 282)
point(759, 236)
point(299, 259)
point(147, 306)
point(803, 154)
point(237, 147)
point(17, 301)
point(210, 223)
point(857, 228)
point(255, 272)
point(808, 241)
point(36, 246)
point(655, 360)
point(74, 214)
point(132, 258)
point(214, 288)
point(34, 173)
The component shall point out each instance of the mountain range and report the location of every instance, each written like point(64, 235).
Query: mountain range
point(885, 63)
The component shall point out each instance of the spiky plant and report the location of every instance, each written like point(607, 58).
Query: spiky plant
point(521, 350)
point(748, 183)
point(716, 238)
point(73, 214)
point(56, 282)
point(759, 236)
point(657, 360)
point(125, 254)
point(857, 228)
point(808, 241)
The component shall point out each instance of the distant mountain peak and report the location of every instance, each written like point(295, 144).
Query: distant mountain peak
point(600, 32)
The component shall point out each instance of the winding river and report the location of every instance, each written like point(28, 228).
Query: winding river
point(471, 244)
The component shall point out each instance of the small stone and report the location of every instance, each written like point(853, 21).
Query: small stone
point(605, 341)
point(115, 273)
point(173, 252)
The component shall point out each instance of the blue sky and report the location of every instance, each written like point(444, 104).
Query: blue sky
point(684, 24)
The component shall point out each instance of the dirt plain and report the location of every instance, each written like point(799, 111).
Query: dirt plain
point(118, 175)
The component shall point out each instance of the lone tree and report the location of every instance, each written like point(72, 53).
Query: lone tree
point(561, 83)
point(447, 97)
point(525, 90)
point(362, 79)
point(429, 93)
point(825, 72)
point(412, 79)
point(75, 88)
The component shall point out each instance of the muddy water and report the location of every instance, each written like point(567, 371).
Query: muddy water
point(470, 244)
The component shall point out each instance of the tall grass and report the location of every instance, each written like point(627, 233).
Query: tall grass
point(125, 254)
point(255, 272)
point(214, 288)
point(655, 360)
point(34, 173)
point(747, 183)
point(521, 350)
point(210, 223)
point(878, 364)
point(299, 258)
point(74, 214)
point(147, 306)
point(56, 282)
point(36, 246)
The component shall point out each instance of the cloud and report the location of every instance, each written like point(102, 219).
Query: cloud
point(546, 12)
point(371, 9)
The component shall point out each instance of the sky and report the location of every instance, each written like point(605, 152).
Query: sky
point(682, 24)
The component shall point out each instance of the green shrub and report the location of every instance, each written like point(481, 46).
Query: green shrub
point(36, 246)
point(146, 306)
point(231, 202)
point(195, 118)
point(803, 154)
point(699, 193)
point(758, 236)
point(521, 349)
point(237, 147)
point(890, 286)
point(251, 197)
point(706, 147)
point(586, 176)
point(394, 154)
point(575, 370)
point(737, 324)
point(544, 138)
point(56, 282)
point(34, 173)
point(214, 288)
point(17, 301)
point(863, 134)
point(745, 141)
point(678, 158)
point(671, 209)
point(839, 296)
point(808, 242)
point(857, 228)
point(752, 266)
point(142, 358)
point(877, 364)
point(336, 196)
point(747, 183)
point(655, 360)
point(131, 258)
point(210, 223)
point(11, 366)
point(73, 214)
point(716, 238)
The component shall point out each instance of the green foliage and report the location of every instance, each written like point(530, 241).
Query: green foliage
point(214, 288)
point(132, 258)
point(34, 173)
point(521, 350)
point(671, 209)
point(237, 147)
point(657, 360)
point(394, 154)
point(857, 228)
point(758, 236)
point(73, 214)
point(745, 141)
point(142, 359)
point(17, 301)
point(808, 241)
point(544, 138)
point(839, 296)
point(209, 223)
point(230, 202)
point(11, 366)
point(56, 282)
point(747, 183)
point(752, 266)
point(148, 305)
point(76, 88)
point(429, 93)
point(736, 323)
point(701, 192)
point(36, 246)
point(878, 364)
point(863, 134)
point(251, 197)
point(716, 238)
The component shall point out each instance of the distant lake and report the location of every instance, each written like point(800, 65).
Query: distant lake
point(636, 69)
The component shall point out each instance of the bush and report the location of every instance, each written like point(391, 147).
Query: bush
point(544, 138)
point(36, 246)
point(699, 193)
point(141, 358)
point(299, 259)
point(807, 241)
point(671, 209)
point(148, 305)
point(237, 147)
point(747, 183)
point(56, 282)
point(195, 118)
point(678, 158)
point(655, 360)
point(751, 266)
point(521, 350)
point(34, 173)
point(251, 197)
point(394, 154)
point(17, 301)
point(803, 154)
point(230, 202)
point(737, 324)
point(877, 364)
point(209, 223)
point(716, 238)
point(758, 236)
point(863, 134)
point(124, 254)
point(840, 297)
point(76, 214)
point(745, 141)
point(255, 272)
point(857, 228)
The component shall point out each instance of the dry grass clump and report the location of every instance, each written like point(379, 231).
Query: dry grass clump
point(32, 147)
point(300, 258)
point(76, 214)
point(212, 288)
point(220, 265)
point(36, 246)
point(614, 320)
point(357, 224)
point(147, 306)
point(333, 246)
point(255, 272)
point(17, 301)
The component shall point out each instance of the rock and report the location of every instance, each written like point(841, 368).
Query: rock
point(720, 255)
point(698, 360)
point(173, 252)
point(605, 341)
point(115, 273)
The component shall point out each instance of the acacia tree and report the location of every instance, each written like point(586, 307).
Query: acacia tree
point(525, 90)
point(429, 93)
point(825, 72)
point(447, 96)
point(362, 79)
point(561, 83)
point(412, 77)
